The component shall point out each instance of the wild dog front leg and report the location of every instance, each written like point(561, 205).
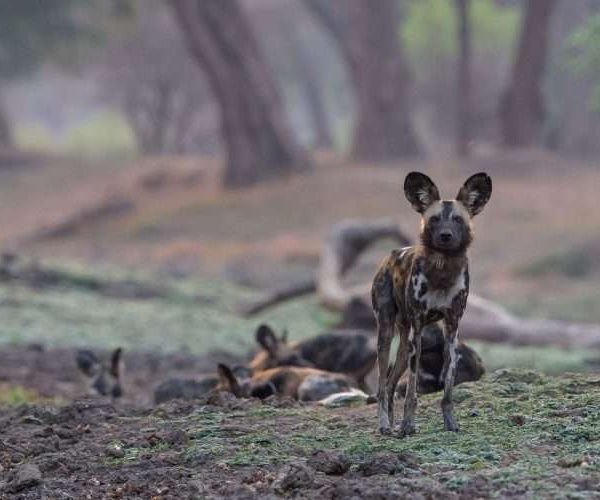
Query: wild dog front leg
point(410, 401)
point(385, 333)
point(384, 306)
point(449, 373)
point(397, 370)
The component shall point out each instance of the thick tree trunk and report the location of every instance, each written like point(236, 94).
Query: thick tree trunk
point(463, 81)
point(367, 33)
point(312, 97)
point(6, 137)
point(256, 135)
point(521, 110)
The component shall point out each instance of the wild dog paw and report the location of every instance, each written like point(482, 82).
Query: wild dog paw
point(450, 424)
point(408, 428)
point(385, 431)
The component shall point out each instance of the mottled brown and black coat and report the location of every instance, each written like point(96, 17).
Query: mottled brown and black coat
point(423, 284)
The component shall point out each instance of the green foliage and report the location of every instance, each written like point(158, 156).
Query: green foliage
point(16, 395)
point(104, 135)
point(35, 31)
point(586, 45)
point(31, 30)
point(430, 28)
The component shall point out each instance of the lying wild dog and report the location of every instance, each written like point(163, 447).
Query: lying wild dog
point(340, 352)
point(419, 285)
point(301, 383)
point(349, 352)
point(102, 378)
point(469, 367)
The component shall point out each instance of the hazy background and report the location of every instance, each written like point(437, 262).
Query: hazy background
point(209, 146)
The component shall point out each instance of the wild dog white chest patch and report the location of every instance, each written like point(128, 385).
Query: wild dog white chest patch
point(433, 299)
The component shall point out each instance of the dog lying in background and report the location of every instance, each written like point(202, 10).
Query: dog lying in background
point(349, 352)
point(102, 377)
point(301, 383)
point(354, 354)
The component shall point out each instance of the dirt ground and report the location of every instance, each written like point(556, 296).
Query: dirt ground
point(522, 435)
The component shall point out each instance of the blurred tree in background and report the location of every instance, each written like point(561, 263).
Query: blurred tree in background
point(259, 143)
point(148, 74)
point(30, 33)
point(587, 43)
point(522, 109)
point(367, 34)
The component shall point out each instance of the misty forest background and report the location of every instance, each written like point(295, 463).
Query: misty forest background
point(202, 152)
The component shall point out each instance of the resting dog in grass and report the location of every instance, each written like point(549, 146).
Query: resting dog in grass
point(102, 378)
point(301, 383)
point(349, 352)
point(353, 353)
point(423, 284)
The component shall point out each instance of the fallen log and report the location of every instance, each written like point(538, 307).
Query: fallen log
point(483, 320)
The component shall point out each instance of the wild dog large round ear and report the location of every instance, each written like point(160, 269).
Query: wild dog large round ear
point(266, 337)
point(87, 362)
point(227, 379)
point(475, 193)
point(420, 191)
point(116, 362)
point(284, 336)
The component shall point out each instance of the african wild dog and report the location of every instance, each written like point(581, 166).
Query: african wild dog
point(301, 383)
point(426, 283)
point(349, 352)
point(102, 378)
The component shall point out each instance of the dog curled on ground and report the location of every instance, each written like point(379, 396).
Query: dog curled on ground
point(424, 284)
point(301, 383)
point(349, 352)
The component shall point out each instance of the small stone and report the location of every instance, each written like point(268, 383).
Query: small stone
point(115, 451)
point(518, 420)
point(294, 476)
point(387, 463)
point(330, 463)
point(177, 437)
point(26, 476)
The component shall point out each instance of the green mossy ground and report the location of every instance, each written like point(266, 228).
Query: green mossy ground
point(196, 316)
point(522, 433)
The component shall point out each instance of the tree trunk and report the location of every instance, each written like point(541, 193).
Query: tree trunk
point(6, 137)
point(521, 110)
point(312, 96)
point(463, 81)
point(367, 33)
point(256, 135)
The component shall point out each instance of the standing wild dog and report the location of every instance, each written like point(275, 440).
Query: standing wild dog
point(422, 284)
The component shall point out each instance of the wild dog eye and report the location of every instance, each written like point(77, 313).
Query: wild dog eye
point(457, 218)
point(434, 218)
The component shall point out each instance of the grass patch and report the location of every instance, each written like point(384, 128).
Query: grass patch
point(194, 315)
point(103, 135)
point(517, 428)
point(13, 395)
